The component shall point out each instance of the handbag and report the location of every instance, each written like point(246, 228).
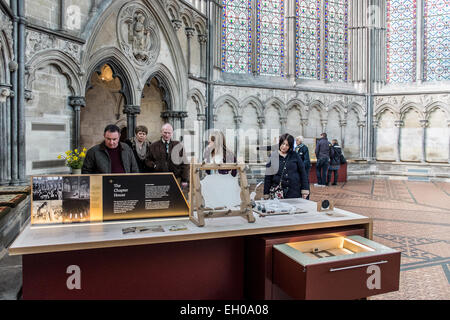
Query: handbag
point(276, 191)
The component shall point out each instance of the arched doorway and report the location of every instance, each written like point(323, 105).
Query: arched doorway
point(154, 101)
point(105, 101)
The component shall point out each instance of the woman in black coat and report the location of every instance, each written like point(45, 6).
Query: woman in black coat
point(290, 171)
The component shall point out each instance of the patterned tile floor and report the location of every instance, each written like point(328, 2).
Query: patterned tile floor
point(412, 217)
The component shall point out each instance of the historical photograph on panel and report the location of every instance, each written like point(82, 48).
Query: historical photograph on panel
point(76, 187)
point(47, 188)
point(75, 210)
point(46, 212)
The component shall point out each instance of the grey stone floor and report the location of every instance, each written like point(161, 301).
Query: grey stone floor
point(10, 276)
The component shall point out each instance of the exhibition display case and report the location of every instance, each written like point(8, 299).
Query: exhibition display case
point(345, 267)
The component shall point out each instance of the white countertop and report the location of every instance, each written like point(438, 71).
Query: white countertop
point(42, 239)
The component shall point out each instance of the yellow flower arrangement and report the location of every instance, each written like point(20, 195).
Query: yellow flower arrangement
point(74, 159)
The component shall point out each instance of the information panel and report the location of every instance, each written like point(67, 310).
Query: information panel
point(94, 198)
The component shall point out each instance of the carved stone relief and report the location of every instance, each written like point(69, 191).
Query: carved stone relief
point(7, 27)
point(37, 42)
point(138, 34)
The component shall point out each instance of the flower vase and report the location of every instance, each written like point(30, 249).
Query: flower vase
point(76, 171)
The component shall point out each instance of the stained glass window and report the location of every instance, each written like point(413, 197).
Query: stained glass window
point(308, 39)
point(401, 40)
point(336, 40)
point(437, 40)
point(236, 36)
point(270, 37)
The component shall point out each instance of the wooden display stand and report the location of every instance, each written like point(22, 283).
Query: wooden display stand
point(196, 201)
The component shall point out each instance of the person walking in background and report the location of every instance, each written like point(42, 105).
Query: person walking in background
point(323, 153)
point(140, 146)
point(335, 162)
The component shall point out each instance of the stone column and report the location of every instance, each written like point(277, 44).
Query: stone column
point(189, 34)
point(448, 131)
point(131, 111)
point(304, 122)
point(342, 125)
point(361, 125)
point(202, 39)
point(397, 139)
point(424, 125)
point(5, 173)
point(20, 90)
point(237, 123)
point(283, 121)
point(324, 125)
point(77, 103)
point(261, 123)
point(201, 139)
point(375, 124)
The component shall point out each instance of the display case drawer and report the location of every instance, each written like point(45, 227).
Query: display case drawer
point(349, 267)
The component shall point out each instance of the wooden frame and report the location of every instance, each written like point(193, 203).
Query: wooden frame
point(196, 201)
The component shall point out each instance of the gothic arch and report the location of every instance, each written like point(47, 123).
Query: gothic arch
point(358, 109)
point(338, 106)
point(383, 108)
point(296, 104)
point(278, 104)
point(121, 68)
point(159, 11)
point(169, 85)
point(227, 99)
point(410, 106)
point(319, 106)
point(255, 102)
point(197, 96)
point(434, 106)
point(63, 62)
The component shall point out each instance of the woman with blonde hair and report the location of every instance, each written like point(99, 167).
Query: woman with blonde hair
point(217, 152)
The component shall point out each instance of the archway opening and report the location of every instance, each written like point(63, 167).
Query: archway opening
point(104, 105)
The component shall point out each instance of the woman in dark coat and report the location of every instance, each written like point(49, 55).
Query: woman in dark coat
point(290, 171)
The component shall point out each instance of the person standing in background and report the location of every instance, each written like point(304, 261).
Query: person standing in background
point(140, 146)
point(303, 152)
point(335, 162)
point(323, 153)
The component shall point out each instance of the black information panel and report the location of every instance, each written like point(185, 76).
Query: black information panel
point(142, 196)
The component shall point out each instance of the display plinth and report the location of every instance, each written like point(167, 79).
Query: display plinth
point(176, 260)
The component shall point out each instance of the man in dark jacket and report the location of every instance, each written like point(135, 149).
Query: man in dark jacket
point(335, 162)
point(110, 156)
point(167, 155)
point(323, 154)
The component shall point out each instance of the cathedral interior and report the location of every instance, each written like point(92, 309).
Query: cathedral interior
point(373, 74)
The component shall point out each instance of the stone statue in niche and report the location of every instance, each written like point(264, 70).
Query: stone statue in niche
point(140, 37)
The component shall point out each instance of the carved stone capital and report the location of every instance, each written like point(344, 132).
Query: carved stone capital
point(131, 109)
point(4, 94)
point(424, 123)
point(202, 39)
point(399, 123)
point(176, 24)
point(76, 101)
point(189, 32)
point(201, 117)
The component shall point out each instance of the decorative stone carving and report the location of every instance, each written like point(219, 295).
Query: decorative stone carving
point(4, 94)
point(7, 27)
point(177, 24)
point(202, 39)
point(37, 42)
point(138, 34)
